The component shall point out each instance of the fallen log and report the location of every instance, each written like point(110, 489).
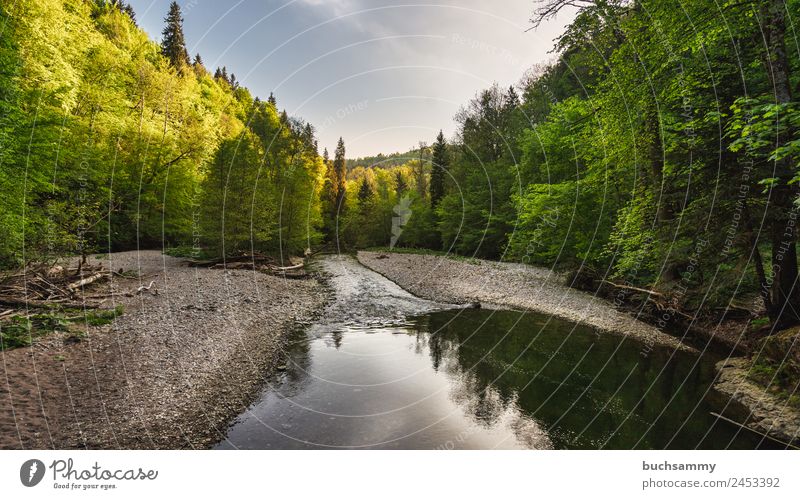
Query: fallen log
point(252, 259)
point(127, 294)
point(141, 289)
point(21, 302)
point(87, 280)
point(290, 275)
point(286, 269)
point(634, 289)
point(745, 427)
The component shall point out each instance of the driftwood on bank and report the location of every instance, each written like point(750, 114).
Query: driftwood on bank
point(666, 310)
point(87, 280)
point(49, 286)
point(253, 261)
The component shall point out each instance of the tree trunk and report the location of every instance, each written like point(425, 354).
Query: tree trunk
point(761, 275)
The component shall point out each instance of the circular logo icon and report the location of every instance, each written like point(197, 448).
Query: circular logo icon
point(31, 472)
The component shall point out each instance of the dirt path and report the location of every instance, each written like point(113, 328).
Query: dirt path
point(169, 373)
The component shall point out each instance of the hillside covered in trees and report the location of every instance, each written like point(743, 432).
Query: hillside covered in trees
point(111, 141)
point(652, 163)
point(659, 150)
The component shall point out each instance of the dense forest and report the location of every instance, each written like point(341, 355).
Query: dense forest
point(111, 141)
point(658, 149)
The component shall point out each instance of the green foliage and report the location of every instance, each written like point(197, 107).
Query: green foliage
point(639, 153)
point(18, 333)
point(101, 317)
point(109, 141)
point(21, 331)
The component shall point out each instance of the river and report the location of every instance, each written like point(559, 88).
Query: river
point(386, 370)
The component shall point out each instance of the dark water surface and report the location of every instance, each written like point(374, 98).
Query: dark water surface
point(482, 379)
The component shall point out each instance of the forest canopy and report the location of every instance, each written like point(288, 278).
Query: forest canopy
point(658, 149)
point(111, 141)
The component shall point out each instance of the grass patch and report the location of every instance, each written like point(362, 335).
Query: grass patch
point(187, 252)
point(758, 323)
point(102, 317)
point(18, 333)
point(776, 380)
point(21, 331)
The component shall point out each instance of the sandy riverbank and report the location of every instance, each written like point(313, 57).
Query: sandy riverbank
point(171, 372)
point(509, 285)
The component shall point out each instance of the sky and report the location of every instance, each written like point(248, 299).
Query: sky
point(382, 74)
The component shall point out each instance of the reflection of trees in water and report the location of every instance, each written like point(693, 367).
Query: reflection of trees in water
point(572, 379)
point(336, 338)
point(296, 378)
point(472, 388)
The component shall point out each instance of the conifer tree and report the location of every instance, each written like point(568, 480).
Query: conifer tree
point(173, 43)
point(400, 182)
point(340, 174)
point(439, 168)
point(365, 191)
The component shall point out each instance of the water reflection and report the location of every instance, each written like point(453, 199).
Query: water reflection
point(483, 379)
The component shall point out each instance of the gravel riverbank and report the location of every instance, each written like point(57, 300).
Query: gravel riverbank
point(754, 406)
point(171, 372)
point(509, 285)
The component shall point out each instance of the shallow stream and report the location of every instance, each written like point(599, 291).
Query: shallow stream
point(385, 369)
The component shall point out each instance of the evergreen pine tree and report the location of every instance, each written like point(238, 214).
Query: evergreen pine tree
point(173, 44)
point(365, 191)
point(129, 10)
point(401, 185)
point(340, 174)
point(125, 8)
point(439, 168)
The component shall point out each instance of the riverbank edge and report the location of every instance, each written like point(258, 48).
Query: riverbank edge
point(255, 382)
point(743, 399)
point(246, 380)
point(136, 385)
point(749, 404)
point(508, 285)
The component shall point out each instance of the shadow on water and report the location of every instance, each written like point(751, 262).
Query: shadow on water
point(484, 379)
